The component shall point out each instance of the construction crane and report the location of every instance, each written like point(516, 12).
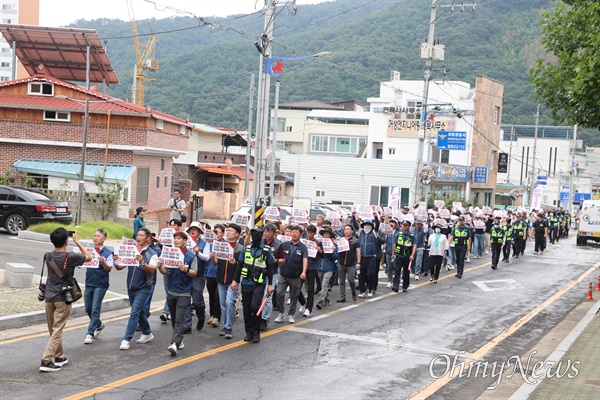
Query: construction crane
point(145, 59)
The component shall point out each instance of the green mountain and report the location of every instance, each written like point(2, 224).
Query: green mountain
point(205, 63)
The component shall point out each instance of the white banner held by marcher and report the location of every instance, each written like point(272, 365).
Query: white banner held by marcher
point(222, 250)
point(171, 257)
point(128, 242)
point(94, 262)
point(300, 216)
point(240, 219)
point(385, 228)
point(127, 255)
point(328, 246)
point(190, 244)
point(209, 236)
point(343, 244)
point(439, 204)
point(284, 238)
point(166, 236)
point(364, 212)
point(311, 246)
point(272, 213)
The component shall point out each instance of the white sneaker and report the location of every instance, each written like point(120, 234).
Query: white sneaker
point(468, 260)
point(289, 300)
point(181, 345)
point(412, 276)
point(98, 331)
point(361, 294)
point(389, 285)
point(370, 294)
point(124, 345)
point(145, 338)
point(306, 313)
point(301, 309)
point(172, 349)
point(291, 319)
point(88, 339)
point(417, 277)
point(280, 318)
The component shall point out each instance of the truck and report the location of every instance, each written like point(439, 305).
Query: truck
point(588, 227)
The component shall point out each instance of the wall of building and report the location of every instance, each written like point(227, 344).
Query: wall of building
point(219, 205)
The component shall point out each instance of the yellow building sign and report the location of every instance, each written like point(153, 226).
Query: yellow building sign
point(409, 128)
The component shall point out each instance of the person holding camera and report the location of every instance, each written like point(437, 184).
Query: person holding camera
point(58, 295)
point(177, 205)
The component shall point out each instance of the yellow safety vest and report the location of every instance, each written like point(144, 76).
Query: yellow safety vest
point(254, 268)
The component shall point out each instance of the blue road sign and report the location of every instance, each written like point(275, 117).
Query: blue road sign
point(580, 197)
point(452, 140)
point(481, 174)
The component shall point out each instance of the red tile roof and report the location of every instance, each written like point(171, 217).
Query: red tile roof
point(223, 170)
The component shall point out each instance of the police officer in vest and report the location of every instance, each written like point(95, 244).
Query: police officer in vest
point(508, 238)
point(461, 235)
point(553, 226)
point(255, 268)
point(496, 240)
point(520, 228)
point(403, 253)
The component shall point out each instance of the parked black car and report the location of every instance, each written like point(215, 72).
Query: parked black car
point(21, 207)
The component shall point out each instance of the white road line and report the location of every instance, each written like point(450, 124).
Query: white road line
point(318, 317)
point(350, 307)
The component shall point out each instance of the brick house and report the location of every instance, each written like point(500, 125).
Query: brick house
point(41, 134)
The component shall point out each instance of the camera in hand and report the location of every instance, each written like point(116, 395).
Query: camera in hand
point(68, 292)
point(70, 233)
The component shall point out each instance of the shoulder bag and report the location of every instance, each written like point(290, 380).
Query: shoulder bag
point(76, 290)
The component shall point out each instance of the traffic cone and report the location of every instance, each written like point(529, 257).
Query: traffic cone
point(598, 285)
point(590, 297)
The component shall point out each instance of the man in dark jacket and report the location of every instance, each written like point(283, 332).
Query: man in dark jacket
point(370, 241)
point(139, 282)
point(347, 261)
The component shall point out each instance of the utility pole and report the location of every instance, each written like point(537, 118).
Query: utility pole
point(249, 137)
point(274, 144)
point(572, 169)
point(430, 53)
point(532, 175)
point(262, 106)
point(512, 132)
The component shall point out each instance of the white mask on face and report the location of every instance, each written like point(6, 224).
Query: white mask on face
point(367, 229)
point(438, 230)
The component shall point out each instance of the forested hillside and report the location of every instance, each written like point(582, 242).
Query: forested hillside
point(205, 64)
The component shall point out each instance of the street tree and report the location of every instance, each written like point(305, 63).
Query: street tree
point(569, 85)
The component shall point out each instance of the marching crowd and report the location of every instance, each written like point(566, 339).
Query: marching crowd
point(302, 261)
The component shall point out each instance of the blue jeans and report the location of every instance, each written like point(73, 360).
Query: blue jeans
point(268, 309)
point(166, 306)
point(478, 244)
point(92, 298)
point(149, 301)
point(389, 267)
point(418, 261)
point(227, 298)
point(137, 298)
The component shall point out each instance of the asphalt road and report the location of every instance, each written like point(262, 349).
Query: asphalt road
point(370, 349)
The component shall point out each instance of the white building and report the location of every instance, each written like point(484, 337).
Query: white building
point(15, 12)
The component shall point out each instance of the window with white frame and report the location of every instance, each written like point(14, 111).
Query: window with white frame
point(40, 89)
point(6, 50)
point(4, 64)
point(337, 144)
point(320, 193)
point(288, 129)
point(8, 6)
point(4, 78)
point(159, 124)
point(496, 115)
point(62, 116)
point(415, 106)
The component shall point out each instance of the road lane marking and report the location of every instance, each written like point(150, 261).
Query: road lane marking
point(437, 384)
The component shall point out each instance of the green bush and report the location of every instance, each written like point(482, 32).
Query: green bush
point(87, 229)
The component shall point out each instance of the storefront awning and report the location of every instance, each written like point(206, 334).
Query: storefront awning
point(70, 169)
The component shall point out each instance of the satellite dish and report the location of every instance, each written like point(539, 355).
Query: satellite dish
point(514, 195)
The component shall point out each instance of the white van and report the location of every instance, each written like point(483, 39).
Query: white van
point(589, 222)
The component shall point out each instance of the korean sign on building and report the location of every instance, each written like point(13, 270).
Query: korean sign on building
point(452, 140)
point(452, 173)
point(409, 128)
point(481, 174)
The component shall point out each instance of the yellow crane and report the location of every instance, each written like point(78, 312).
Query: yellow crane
point(145, 59)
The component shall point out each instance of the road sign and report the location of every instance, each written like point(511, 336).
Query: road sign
point(452, 140)
point(481, 174)
point(580, 197)
point(564, 196)
point(503, 163)
point(542, 178)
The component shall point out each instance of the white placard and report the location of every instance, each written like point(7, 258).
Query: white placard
point(190, 244)
point(422, 205)
point(222, 250)
point(467, 218)
point(166, 236)
point(94, 262)
point(343, 244)
point(408, 217)
point(300, 216)
point(487, 210)
point(336, 224)
point(387, 211)
point(272, 213)
point(171, 257)
point(478, 224)
point(457, 205)
point(333, 215)
point(128, 242)
point(311, 246)
point(421, 214)
point(127, 255)
point(444, 213)
point(209, 236)
point(284, 238)
point(240, 219)
point(328, 246)
point(378, 209)
point(385, 228)
point(439, 204)
point(364, 212)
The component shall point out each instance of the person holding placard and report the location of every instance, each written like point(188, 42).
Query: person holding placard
point(255, 272)
point(211, 281)
point(479, 237)
point(291, 271)
point(139, 283)
point(202, 251)
point(327, 265)
point(96, 285)
point(389, 244)
point(226, 264)
point(347, 264)
point(181, 272)
point(314, 259)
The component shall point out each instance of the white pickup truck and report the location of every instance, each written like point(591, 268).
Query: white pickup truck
point(589, 222)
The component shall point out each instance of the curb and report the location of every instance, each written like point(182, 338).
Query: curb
point(42, 237)
point(78, 310)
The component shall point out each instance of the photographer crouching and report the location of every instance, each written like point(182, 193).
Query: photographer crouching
point(59, 294)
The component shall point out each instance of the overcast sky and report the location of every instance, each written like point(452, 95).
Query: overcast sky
point(63, 12)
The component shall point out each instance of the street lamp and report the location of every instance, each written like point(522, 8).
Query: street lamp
point(83, 149)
